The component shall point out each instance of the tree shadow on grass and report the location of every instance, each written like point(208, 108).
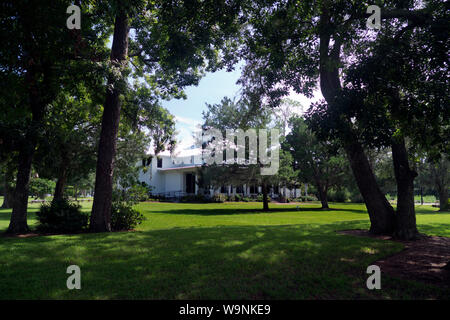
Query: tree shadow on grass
point(233, 211)
point(239, 262)
point(438, 229)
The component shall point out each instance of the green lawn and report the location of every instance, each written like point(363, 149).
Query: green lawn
point(214, 251)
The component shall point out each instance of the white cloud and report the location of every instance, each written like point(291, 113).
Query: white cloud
point(187, 121)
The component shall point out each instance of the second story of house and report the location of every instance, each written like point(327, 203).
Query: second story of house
point(166, 172)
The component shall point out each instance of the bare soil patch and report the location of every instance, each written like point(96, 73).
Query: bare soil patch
point(425, 259)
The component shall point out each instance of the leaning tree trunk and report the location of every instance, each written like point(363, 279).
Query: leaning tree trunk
point(101, 209)
point(406, 228)
point(381, 213)
point(265, 199)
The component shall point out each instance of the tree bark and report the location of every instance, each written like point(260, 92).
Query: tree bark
point(443, 199)
point(381, 213)
point(265, 199)
point(18, 223)
point(421, 195)
point(405, 216)
point(60, 183)
point(323, 194)
point(101, 210)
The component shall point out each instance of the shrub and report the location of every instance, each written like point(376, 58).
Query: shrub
point(219, 198)
point(231, 198)
point(356, 197)
point(259, 198)
point(338, 196)
point(194, 198)
point(306, 198)
point(124, 217)
point(134, 194)
point(61, 216)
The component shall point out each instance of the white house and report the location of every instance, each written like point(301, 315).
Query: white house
point(175, 176)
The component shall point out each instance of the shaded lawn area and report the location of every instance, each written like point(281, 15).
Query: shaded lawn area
point(214, 251)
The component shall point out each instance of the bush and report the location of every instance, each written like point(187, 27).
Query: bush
point(62, 216)
point(306, 198)
point(231, 198)
point(194, 198)
point(259, 198)
point(338, 196)
point(124, 217)
point(356, 197)
point(219, 198)
point(134, 194)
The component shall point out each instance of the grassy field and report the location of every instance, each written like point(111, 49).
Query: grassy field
point(214, 251)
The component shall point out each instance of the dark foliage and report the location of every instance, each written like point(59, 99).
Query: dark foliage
point(62, 216)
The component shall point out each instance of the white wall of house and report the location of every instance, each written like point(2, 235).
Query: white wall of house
point(171, 176)
point(174, 181)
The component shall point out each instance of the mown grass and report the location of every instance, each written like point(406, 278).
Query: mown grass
point(214, 251)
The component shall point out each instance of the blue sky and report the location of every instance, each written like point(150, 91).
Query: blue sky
point(211, 89)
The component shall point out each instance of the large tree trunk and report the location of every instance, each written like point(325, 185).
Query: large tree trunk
point(381, 213)
point(18, 223)
point(323, 194)
point(443, 199)
point(101, 209)
point(406, 215)
point(60, 183)
point(265, 199)
point(62, 175)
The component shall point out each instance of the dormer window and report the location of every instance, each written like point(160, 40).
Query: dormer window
point(159, 164)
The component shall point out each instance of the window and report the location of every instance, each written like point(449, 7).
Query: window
point(159, 164)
